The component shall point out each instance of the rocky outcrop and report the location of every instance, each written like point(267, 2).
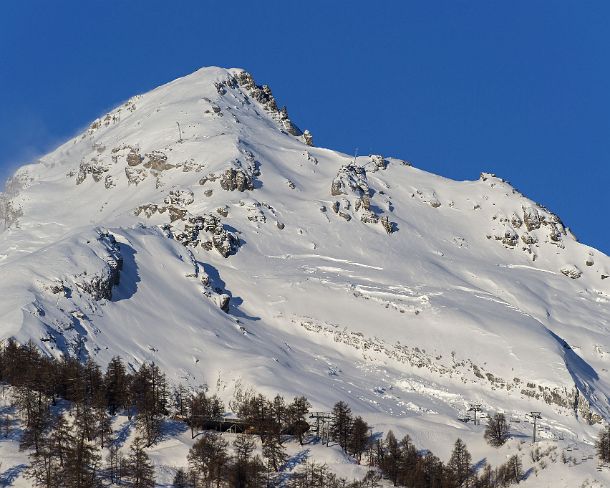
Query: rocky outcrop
point(135, 176)
point(133, 157)
point(109, 182)
point(307, 137)
point(387, 225)
point(510, 238)
point(240, 175)
point(351, 179)
point(428, 196)
point(531, 218)
point(93, 167)
point(377, 162)
point(571, 271)
point(99, 285)
point(223, 301)
point(372, 348)
point(180, 197)
point(206, 230)
point(211, 290)
point(262, 94)
point(352, 185)
point(215, 235)
point(9, 212)
point(157, 161)
point(236, 179)
point(530, 226)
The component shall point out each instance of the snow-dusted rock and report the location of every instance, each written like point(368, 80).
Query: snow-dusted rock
point(571, 271)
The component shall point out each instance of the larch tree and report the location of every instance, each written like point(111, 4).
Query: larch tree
point(497, 430)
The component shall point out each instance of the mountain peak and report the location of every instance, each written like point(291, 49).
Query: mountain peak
point(196, 226)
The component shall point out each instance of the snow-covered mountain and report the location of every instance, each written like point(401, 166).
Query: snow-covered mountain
point(198, 227)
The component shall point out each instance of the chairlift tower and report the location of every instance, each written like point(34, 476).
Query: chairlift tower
point(319, 416)
point(475, 407)
point(536, 416)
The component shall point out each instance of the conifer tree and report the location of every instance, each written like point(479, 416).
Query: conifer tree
point(60, 439)
point(115, 462)
point(244, 469)
point(103, 426)
point(496, 432)
point(257, 411)
point(208, 458)
point(44, 469)
point(297, 413)
point(202, 409)
point(116, 384)
point(514, 469)
point(181, 479)
point(341, 424)
point(279, 413)
point(33, 407)
point(139, 468)
point(149, 389)
point(358, 438)
point(82, 460)
point(603, 445)
point(274, 453)
point(459, 465)
point(486, 478)
point(391, 458)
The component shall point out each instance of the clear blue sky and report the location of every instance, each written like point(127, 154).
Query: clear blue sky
point(519, 88)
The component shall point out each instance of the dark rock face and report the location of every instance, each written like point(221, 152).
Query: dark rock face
point(262, 94)
point(387, 225)
point(188, 229)
point(528, 229)
point(225, 242)
point(223, 302)
point(236, 179)
point(133, 157)
point(99, 286)
point(528, 239)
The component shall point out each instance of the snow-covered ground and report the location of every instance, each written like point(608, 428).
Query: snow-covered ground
point(478, 295)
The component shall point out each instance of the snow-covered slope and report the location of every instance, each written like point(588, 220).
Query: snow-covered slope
point(407, 294)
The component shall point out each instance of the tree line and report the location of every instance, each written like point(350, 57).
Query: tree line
point(65, 439)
